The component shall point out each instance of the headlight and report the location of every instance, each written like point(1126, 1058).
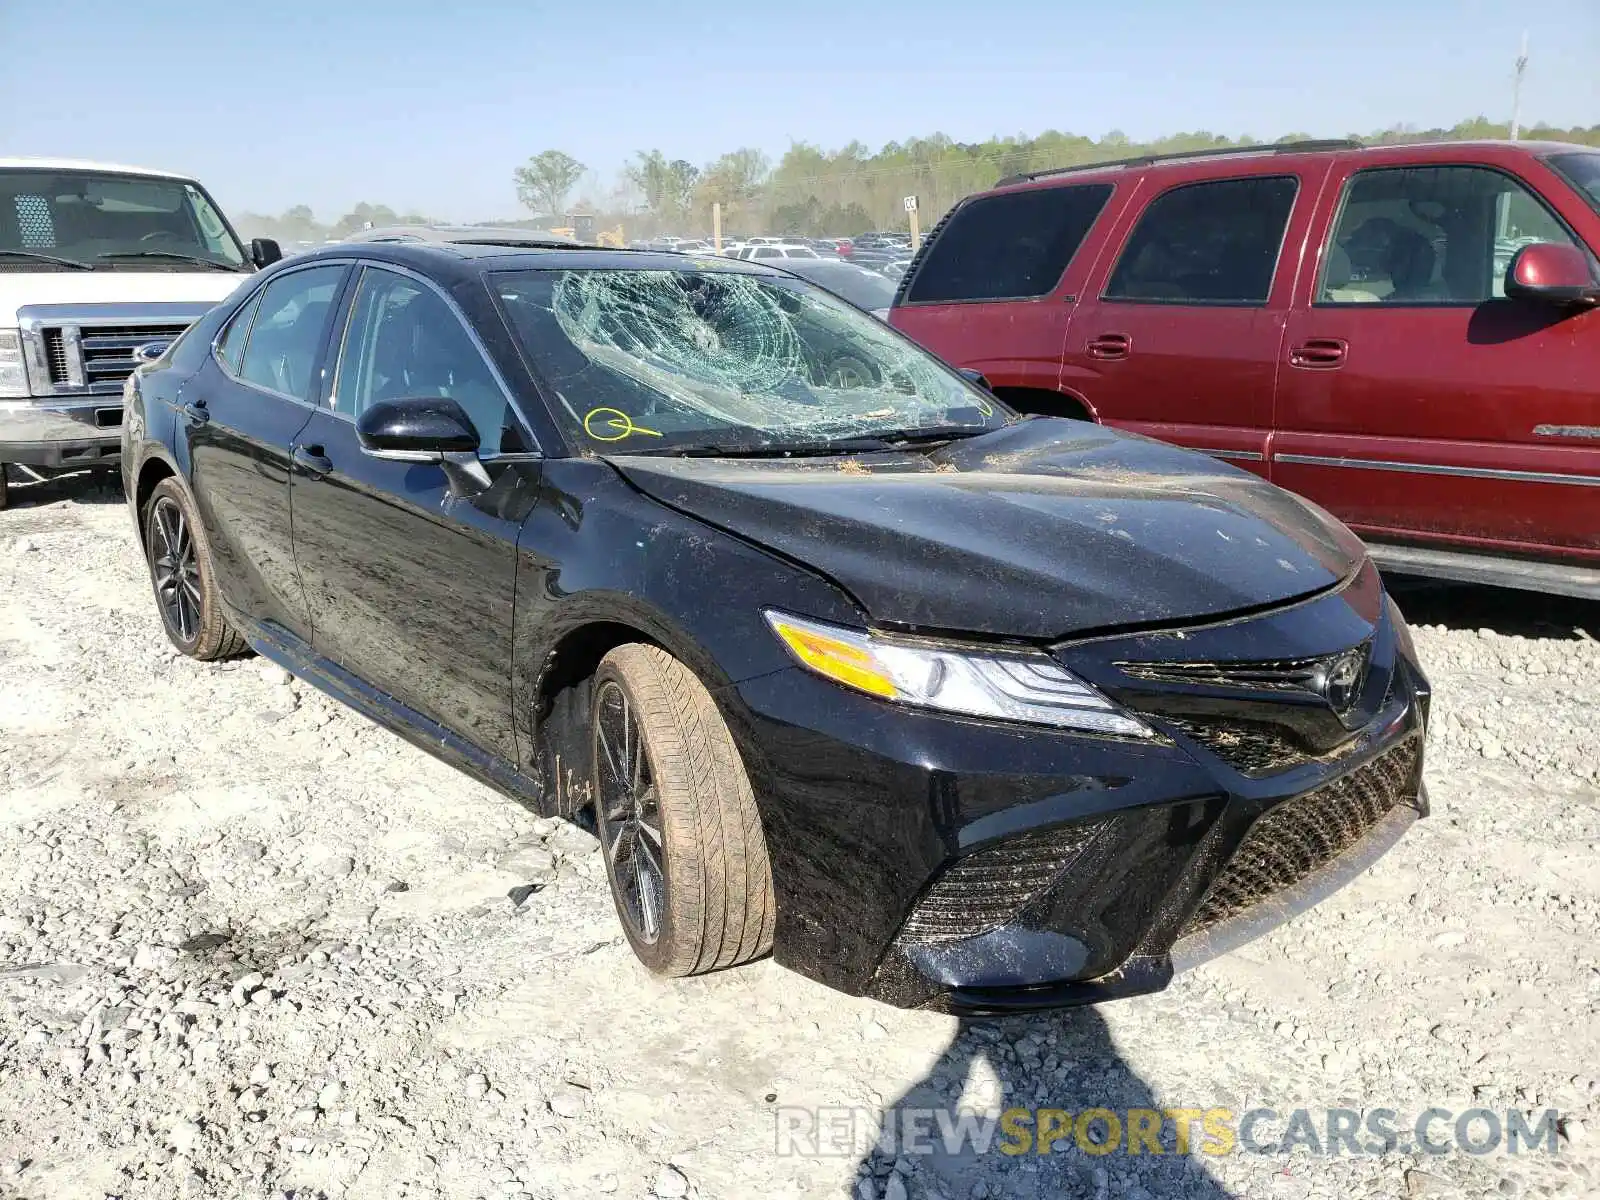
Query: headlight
point(13, 378)
point(1004, 687)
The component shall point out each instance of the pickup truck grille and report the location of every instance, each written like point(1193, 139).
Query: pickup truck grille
point(97, 358)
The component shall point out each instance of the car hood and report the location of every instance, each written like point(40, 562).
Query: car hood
point(1045, 529)
point(20, 288)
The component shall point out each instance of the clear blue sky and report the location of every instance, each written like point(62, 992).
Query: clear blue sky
point(430, 105)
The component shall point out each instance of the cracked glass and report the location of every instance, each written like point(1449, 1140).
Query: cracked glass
point(728, 361)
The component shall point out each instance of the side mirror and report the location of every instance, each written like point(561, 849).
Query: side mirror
point(1552, 274)
point(972, 376)
point(264, 251)
point(429, 429)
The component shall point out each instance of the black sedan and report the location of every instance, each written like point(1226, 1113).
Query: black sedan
point(940, 704)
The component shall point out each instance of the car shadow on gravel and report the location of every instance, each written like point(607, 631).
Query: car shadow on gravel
point(1507, 611)
point(98, 486)
point(1021, 1066)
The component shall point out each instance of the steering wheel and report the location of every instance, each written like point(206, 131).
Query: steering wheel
point(846, 371)
point(165, 235)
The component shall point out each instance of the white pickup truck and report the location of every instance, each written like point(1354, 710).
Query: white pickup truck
point(101, 268)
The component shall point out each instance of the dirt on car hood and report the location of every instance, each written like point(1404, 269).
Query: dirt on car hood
point(1045, 529)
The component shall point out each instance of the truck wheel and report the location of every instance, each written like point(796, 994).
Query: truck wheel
point(677, 821)
point(180, 572)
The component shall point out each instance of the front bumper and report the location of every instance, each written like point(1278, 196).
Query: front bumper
point(933, 861)
point(61, 433)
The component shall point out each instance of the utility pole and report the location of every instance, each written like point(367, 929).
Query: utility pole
point(1516, 88)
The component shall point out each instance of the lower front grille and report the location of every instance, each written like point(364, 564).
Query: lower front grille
point(988, 887)
point(1307, 832)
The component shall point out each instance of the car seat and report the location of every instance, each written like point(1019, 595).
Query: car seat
point(1411, 260)
point(1337, 284)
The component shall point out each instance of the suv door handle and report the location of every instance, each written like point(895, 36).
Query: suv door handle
point(312, 461)
point(1110, 346)
point(1319, 354)
point(195, 413)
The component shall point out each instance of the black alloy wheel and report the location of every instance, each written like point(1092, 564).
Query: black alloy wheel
point(175, 570)
point(629, 814)
point(679, 827)
point(180, 575)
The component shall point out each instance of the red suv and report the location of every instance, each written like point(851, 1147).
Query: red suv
point(1407, 335)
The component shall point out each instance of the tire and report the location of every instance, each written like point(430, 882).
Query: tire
point(714, 907)
point(181, 576)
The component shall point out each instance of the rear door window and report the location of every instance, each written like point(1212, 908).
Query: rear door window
point(286, 336)
point(1008, 246)
point(231, 344)
point(1207, 243)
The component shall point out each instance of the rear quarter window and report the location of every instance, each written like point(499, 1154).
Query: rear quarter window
point(1008, 246)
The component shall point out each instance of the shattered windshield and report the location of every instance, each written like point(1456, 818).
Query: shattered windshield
point(728, 360)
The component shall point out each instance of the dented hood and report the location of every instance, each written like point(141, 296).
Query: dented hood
point(1040, 530)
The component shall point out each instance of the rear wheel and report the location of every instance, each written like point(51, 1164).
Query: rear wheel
point(180, 573)
point(677, 821)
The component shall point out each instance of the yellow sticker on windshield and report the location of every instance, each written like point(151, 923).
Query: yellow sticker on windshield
point(615, 422)
point(985, 407)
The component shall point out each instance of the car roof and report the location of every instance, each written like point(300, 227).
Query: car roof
point(453, 261)
point(458, 234)
point(1278, 151)
point(84, 164)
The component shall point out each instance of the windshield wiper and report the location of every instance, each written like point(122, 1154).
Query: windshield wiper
point(171, 256)
point(934, 433)
point(847, 445)
point(772, 449)
point(57, 260)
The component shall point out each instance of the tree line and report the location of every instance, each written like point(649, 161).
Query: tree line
point(813, 191)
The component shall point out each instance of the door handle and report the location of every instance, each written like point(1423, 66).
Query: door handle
point(312, 461)
point(1110, 346)
point(1319, 354)
point(195, 413)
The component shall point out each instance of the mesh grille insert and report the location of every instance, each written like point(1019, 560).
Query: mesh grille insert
point(1251, 748)
point(988, 887)
point(1307, 832)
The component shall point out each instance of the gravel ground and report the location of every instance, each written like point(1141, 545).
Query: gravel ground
point(253, 946)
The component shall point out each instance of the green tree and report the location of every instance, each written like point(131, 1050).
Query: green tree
point(545, 182)
point(667, 186)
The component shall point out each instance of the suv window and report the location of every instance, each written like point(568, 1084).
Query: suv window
point(1207, 243)
point(1431, 235)
point(1583, 170)
point(286, 336)
point(1009, 246)
point(231, 344)
point(402, 342)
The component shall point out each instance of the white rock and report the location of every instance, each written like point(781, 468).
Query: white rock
point(670, 1183)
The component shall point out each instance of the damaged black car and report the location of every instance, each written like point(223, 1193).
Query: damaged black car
point(849, 662)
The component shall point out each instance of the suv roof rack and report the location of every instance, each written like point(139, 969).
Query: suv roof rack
point(1304, 146)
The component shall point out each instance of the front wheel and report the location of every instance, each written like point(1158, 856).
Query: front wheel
point(180, 573)
point(677, 820)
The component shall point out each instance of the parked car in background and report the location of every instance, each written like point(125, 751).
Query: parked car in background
point(865, 289)
point(984, 722)
point(101, 268)
point(1407, 335)
point(770, 250)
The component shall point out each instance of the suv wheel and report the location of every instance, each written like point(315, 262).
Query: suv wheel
point(180, 572)
point(677, 821)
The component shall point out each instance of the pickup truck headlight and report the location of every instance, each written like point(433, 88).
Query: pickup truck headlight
point(971, 681)
point(13, 376)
